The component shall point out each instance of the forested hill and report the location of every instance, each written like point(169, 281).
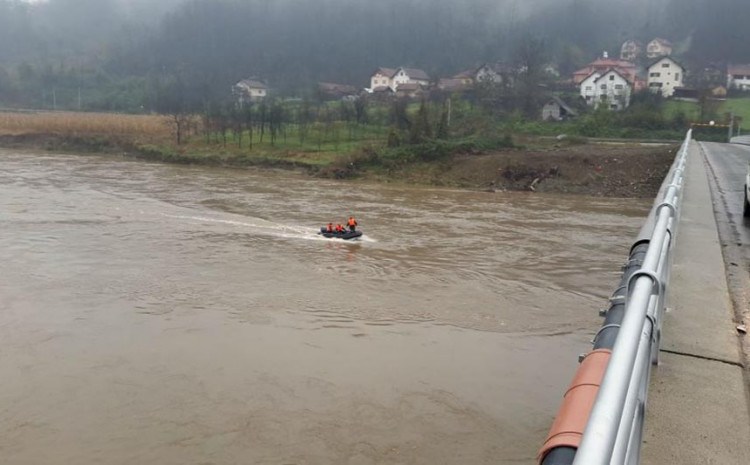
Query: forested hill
point(295, 43)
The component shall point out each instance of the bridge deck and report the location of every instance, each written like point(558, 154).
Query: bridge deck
point(698, 402)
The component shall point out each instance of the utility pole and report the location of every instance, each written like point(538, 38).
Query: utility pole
point(79, 98)
point(731, 126)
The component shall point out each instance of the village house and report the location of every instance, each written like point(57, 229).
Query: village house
point(250, 90)
point(658, 48)
point(738, 77)
point(410, 90)
point(609, 88)
point(329, 90)
point(392, 78)
point(557, 110)
point(382, 77)
point(719, 92)
point(452, 85)
point(630, 50)
point(482, 73)
point(497, 73)
point(382, 93)
point(665, 75)
point(600, 65)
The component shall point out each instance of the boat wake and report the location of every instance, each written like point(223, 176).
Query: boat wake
point(264, 227)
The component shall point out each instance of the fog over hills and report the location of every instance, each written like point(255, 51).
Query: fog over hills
point(295, 43)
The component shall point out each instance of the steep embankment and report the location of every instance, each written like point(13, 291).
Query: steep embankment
point(610, 170)
point(591, 169)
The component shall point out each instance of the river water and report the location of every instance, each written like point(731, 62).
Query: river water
point(161, 314)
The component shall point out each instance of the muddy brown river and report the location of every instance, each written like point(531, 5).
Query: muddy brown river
point(160, 314)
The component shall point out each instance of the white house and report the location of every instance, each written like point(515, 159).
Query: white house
point(392, 78)
point(411, 76)
point(665, 75)
point(250, 90)
point(482, 73)
point(658, 48)
point(630, 50)
point(382, 77)
point(609, 88)
point(588, 88)
point(496, 73)
point(738, 76)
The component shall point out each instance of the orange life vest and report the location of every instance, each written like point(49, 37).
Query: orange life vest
point(352, 222)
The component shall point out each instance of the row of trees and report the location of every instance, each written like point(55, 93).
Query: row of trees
point(306, 122)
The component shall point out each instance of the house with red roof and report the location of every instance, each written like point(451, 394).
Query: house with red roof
point(610, 88)
point(604, 63)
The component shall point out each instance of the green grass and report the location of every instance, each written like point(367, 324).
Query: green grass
point(690, 109)
point(740, 107)
point(319, 144)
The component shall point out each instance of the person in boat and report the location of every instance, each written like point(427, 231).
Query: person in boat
point(329, 228)
point(340, 229)
point(352, 223)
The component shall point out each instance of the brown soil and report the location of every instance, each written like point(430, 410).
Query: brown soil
point(591, 169)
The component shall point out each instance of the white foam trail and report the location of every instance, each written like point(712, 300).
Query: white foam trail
point(265, 227)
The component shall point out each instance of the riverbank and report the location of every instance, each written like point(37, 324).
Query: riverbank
point(626, 170)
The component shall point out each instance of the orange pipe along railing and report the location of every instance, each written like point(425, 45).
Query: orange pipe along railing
point(570, 422)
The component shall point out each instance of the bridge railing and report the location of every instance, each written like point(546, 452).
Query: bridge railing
point(601, 419)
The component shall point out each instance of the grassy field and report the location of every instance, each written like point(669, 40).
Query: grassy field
point(740, 107)
point(317, 144)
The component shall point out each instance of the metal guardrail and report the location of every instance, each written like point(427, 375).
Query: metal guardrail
point(745, 140)
point(601, 419)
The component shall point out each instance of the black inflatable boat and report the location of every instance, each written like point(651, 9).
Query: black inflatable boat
point(346, 235)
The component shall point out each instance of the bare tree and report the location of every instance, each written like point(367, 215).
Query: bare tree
point(530, 58)
point(172, 101)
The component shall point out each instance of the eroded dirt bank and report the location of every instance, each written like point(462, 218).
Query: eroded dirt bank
point(631, 170)
point(591, 169)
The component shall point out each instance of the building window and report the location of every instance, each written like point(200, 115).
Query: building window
point(738, 76)
point(613, 107)
point(676, 76)
point(603, 97)
point(604, 86)
point(612, 77)
point(588, 87)
point(618, 87)
point(665, 65)
point(654, 75)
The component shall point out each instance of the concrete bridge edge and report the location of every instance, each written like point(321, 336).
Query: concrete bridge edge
point(698, 397)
